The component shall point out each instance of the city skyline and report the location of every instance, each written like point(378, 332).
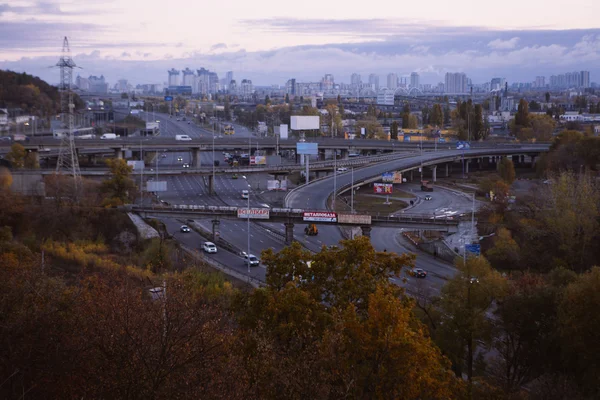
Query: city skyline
point(272, 44)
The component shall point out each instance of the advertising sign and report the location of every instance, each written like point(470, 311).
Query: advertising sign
point(283, 131)
point(463, 145)
point(156, 186)
point(354, 219)
point(397, 177)
point(442, 140)
point(383, 188)
point(152, 125)
point(406, 138)
point(307, 148)
point(168, 98)
point(258, 160)
point(274, 184)
point(320, 217)
point(255, 213)
point(362, 132)
point(473, 248)
point(387, 177)
point(304, 123)
point(136, 165)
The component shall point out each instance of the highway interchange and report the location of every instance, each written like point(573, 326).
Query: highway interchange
point(193, 190)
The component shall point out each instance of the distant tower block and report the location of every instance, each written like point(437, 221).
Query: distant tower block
point(173, 77)
point(67, 157)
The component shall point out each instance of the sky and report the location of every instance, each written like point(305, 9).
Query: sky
point(271, 41)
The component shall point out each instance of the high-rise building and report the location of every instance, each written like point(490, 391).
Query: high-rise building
point(122, 85)
point(385, 97)
point(173, 77)
point(327, 83)
point(497, 83)
point(290, 86)
point(355, 80)
point(540, 81)
point(98, 85)
point(585, 79)
point(228, 77)
point(414, 80)
point(392, 81)
point(246, 88)
point(374, 82)
point(456, 82)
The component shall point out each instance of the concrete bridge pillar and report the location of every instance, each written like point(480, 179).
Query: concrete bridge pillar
point(479, 163)
point(289, 232)
point(447, 170)
point(196, 163)
point(522, 158)
point(321, 154)
point(211, 185)
point(92, 159)
point(366, 231)
point(533, 161)
point(215, 232)
point(344, 154)
point(270, 152)
point(467, 162)
point(411, 175)
point(119, 154)
point(434, 173)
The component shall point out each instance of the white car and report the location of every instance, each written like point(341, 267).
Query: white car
point(184, 229)
point(209, 247)
point(245, 194)
point(251, 259)
point(186, 165)
point(342, 169)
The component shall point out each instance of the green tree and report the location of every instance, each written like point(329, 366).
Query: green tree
point(547, 96)
point(522, 115)
point(507, 170)
point(405, 116)
point(426, 115)
point(227, 109)
point(534, 106)
point(287, 98)
point(267, 100)
point(466, 300)
point(437, 115)
point(119, 188)
point(505, 252)
point(478, 128)
point(394, 130)
point(580, 330)
point(16, 156)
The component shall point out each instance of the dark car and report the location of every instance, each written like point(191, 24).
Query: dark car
point(419, 273)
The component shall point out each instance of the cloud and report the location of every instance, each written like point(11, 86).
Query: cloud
point(500, 44)
point(218, 46)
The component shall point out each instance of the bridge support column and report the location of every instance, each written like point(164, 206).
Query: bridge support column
point(321, 154)
point(344, 154)
point(434, 173)
point(92, 159)
point(119, 154)
point(479, 163)
point(411, 175)
point(366, 231)
point(289, 232)
point(270, 152)
point(447, 170)
point(215, 232)
point(196, 163)
point(211, 185)
point(533, 162)
point(467, 162)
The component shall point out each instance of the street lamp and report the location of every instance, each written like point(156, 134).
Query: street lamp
point(248, 215)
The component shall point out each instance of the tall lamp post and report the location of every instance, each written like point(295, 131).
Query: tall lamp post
point(248, 215)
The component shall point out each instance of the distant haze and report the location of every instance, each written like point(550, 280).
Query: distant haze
point(270, 42)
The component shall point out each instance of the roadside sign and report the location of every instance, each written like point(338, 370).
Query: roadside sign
point(307, 148)
point(387, 177)
point(473, 248)
point(253, 213)
point(463, 145)
point(320, 217)
point(383, 188)
point(442, 140)
point(156, 186)
point(397, 177)
point(354, 219)
point(406, 138)
point(168, 98)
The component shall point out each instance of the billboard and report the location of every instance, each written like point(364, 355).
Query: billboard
point(136, 165)
point(354, 219)
point(362, 131)
point(473, 248)
point(382, 188)
point(397, 177)
point(156, 186)
point(320, 216)
point(307, 148)
point(168, 98)
point(258, 160)
point(387, 177)
point(253, 213)
point(152, 125)
point(463, 145)
point(274, 184)
point(305, 123)
point(283, 131)
point(406, 138)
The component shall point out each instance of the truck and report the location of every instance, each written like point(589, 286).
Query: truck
point(109, 136)
point(426, 186)
point(19, 137)
point(182, 137)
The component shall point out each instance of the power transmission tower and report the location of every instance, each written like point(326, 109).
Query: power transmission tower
point(68, 161)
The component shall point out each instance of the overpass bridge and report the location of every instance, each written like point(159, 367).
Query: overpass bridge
point(289, 217)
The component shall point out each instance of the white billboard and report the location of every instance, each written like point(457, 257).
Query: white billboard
point(254, 213)
point(136, 165)
point(283, 131)
point(156, 186)
point(305, 122)
point(274, 184)
point(320, 216)
point(354, 219)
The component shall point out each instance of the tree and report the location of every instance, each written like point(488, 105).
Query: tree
point(406, 116)
point(16, 155)
point(373, 129)
point(534, 106)
point(466, 299)
point(267, 100)
point(426, 113)
point(522, 115)
point(507, 170)
point(580, 330)
point(413, 122)
point(437, 115)
point(287, 98)
point(505, 252)
point(394, 130)
point(119, 188)
point(227, 109)
point(478, 125)
point(5, 179)
point(547, 96)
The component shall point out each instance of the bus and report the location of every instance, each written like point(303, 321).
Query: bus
point(229, 130)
